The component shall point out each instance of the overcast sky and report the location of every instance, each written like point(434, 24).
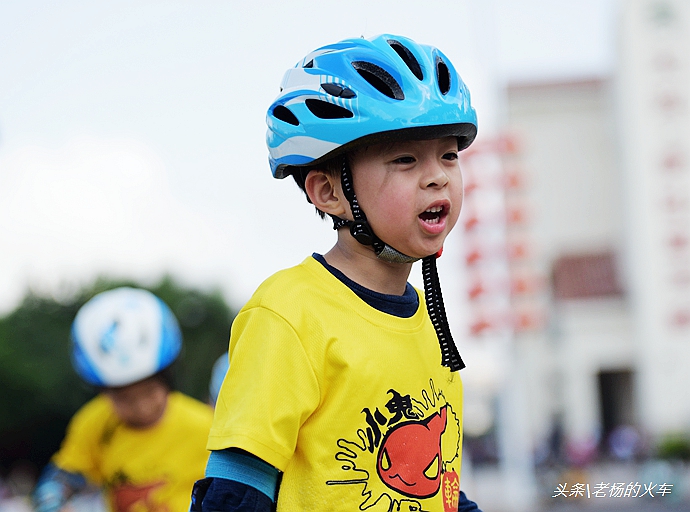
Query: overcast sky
point(132, 132)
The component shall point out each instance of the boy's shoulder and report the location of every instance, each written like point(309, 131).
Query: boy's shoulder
point(190, 407)
point(98, 407)
point(288, 284)
point(187, 416)
point(92, 416)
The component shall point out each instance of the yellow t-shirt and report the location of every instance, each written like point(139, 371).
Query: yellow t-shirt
point(141, 470)
point(351, 403)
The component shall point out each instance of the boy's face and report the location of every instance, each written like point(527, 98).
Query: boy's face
point(140, 405)
point(411, 192)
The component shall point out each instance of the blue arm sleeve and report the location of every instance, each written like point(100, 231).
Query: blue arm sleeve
point(235, 481)
point(54, 487)
point(466, 505)
point(240, 482)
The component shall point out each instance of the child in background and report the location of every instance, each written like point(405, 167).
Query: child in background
point(140, 441)
point(343, 391)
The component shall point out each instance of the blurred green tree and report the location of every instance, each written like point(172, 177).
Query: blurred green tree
point(674, 446)
point(39, 390)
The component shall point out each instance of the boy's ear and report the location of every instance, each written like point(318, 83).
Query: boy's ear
point(325, 192)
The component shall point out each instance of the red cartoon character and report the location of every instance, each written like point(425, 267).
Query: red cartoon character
point(409, 460)
point(128, 496)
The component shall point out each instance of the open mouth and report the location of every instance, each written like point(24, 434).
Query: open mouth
point(433, 215)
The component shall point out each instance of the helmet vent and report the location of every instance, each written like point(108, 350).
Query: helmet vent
point(325, 110)
point(309, 64)
point(285, 114)
point(379, 79)
point(407, 57)
point(338, 90)
point(443, 76)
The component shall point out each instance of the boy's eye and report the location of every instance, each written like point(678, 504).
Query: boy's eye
point(451, 155)
point(404, 160)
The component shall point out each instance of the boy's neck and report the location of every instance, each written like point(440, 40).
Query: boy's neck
point(359, 263)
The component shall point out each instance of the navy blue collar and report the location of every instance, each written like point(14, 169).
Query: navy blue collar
point(403, 306)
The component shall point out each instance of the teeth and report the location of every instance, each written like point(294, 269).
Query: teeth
point(434, 209)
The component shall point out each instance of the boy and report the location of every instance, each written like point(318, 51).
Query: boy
point(343, 391)
point(143, 443)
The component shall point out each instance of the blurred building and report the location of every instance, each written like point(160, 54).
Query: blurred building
point(654, 124)
point(593, 232)
point(580, 359)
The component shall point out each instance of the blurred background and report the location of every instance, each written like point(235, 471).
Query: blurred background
point(132, 152)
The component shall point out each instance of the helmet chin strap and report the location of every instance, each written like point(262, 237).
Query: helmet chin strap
point(360, 228)
point(362, 232)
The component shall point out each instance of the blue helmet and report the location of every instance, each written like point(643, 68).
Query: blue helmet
point(122, 336)
point(366, 90)
point(220, 368)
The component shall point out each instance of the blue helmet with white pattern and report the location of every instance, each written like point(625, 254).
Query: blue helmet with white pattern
point(365, 91)
point(122, 336)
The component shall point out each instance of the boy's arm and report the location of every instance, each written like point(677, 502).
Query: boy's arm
point(236, 481)
point(466, 505)
point(54, 487)
point(223, 492)
point(75, 461)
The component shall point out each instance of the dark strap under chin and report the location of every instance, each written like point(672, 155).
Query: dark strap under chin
point(360, 228)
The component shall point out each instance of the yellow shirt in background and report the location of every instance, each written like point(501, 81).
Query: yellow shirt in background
point(141, 470)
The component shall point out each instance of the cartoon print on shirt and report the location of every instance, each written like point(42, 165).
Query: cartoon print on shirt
point(410, 454)
point(407, 450)
point(128, 497)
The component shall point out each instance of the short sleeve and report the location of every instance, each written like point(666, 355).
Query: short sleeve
point(269, 391)
point(79, 450)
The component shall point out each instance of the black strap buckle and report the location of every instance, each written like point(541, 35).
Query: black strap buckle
point(361, 231)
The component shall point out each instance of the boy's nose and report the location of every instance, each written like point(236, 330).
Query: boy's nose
point(435, 175)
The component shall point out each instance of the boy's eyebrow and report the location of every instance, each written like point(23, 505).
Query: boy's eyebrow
point(387, 147)
point(392, 146)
